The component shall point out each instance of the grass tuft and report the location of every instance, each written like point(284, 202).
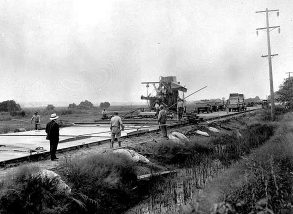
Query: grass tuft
point(27, 192)
point(105, 178)
point(260, 182)
point(231, 147)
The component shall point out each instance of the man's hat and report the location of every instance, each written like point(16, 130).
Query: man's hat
point(54, 116)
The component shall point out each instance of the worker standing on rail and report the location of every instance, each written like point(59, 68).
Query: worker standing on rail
point(52, 130)
point(37, 120)
point(116, 126)
point(162, 119)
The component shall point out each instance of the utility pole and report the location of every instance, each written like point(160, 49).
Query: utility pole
point(148, 103)
point(289, 74)
point(268, 28)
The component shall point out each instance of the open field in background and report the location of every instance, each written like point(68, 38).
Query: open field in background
point(9, 123)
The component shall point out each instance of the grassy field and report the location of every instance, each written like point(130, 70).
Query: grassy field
point(10, 123)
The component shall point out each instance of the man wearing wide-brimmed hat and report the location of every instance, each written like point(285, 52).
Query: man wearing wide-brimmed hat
point(52, 130)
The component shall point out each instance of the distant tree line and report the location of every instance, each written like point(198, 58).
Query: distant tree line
point(12, 107)
point(88, 105)
point(83, 105)
point(104, 105)
point(9, 106)
point(50, 107)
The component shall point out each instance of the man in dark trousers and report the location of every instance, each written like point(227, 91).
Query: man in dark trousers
point(52, 130)
point(162, 118)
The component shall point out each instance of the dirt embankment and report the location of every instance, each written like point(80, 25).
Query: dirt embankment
point(260, 182)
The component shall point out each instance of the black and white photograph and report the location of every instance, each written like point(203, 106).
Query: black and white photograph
point(146, 107)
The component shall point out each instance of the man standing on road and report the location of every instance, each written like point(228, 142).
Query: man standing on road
point(162, 119)
point(116, 126)
point(37, 120)
point(52, 130)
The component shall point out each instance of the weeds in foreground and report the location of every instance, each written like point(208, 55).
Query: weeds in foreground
point(268, 180)
point(269, 187)
point(106, 179)
point(232, 147)
point(28, 192)
point(225, 147)
point(260, 183)
point(169, 152)
point(280, 110)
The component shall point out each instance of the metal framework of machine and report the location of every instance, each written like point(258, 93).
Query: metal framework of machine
point(167, 93)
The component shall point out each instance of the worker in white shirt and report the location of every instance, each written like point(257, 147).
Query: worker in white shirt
point(37, 120)
point(104, 114)
point(157, 107)
point(116, 126)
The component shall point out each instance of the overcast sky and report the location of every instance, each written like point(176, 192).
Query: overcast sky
point(58, 51)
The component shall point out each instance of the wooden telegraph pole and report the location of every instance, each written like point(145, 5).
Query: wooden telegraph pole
point(268, 29)
point(289, 74)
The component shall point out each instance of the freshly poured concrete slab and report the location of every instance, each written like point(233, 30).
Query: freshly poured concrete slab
point(22, 144)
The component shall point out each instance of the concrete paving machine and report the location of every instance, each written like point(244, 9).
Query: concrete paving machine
point(167, 93)
point(170, 93)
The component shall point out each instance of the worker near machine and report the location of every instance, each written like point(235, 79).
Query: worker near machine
point(116, 126)
point(52, 130)
point(37, 120)
point(164, 90)
point(162, 119)
point(157, 107)
point(180, 109)
point(104, 114)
